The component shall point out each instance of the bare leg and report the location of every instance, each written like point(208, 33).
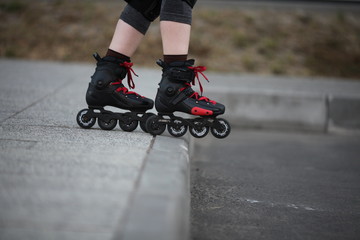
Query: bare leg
point(175, 37)
point(126, 39)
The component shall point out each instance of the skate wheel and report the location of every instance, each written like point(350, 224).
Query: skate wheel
point(107, 124)
point(177, 128)
point(223, 130)
point(129, 125)
point(143, 122)
point(83, 120)
point(153, 126)
point(199, 132)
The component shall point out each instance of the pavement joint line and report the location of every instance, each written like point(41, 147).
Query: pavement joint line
point(161, 209)
point(119, 231)
point(18, 140)
point(37, 101)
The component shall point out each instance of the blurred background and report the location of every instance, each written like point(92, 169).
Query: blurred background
point(297, 38)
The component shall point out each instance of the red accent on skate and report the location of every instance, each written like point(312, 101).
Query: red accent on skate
point(124, 90)
point(128, 66)
point(202, 98)
point(195, 95)
point(201, 111)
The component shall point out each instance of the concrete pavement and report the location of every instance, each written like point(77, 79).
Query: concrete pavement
point(58, 181)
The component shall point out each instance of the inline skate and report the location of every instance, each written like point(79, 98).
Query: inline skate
point(175, 94)
point(106, 89)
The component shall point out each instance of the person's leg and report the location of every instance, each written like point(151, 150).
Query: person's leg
point(175, 92)
point(175, 37)
point(126, 39)
point(175, 27)
point(130, 30)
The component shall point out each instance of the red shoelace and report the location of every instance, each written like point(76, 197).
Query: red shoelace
point(131, 84)
point(197, 70)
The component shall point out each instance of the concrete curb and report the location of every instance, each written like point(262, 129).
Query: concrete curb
point(290, 110)
point(343, 112)
point(161, 206)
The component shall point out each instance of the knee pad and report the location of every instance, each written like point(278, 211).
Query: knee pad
point(150, 9)
point(191, 2)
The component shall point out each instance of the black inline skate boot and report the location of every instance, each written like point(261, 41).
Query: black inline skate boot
point(175, 94)
point(106, 89)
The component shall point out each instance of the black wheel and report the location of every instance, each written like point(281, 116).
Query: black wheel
point(223, 130)
point(107, 124)
point(143, 121)
point(153, 126)
point(128, 125)
point(177, 128)
point(198, 131)
point(83, 120)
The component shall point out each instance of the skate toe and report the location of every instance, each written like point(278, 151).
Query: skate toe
point(218, 109)
point(147, 103)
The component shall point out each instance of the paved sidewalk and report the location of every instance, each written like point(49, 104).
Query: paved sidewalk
point(58, 181)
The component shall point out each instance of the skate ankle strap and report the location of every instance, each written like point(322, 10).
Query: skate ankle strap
point(180, 74)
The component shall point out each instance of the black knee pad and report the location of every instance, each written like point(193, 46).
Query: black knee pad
point(191, 2)
point(150, 9)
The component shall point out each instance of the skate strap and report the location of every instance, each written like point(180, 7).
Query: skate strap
point(124, 90)
point(128, 66)
point(179, 74)
point(184, 93)
point(197, 70)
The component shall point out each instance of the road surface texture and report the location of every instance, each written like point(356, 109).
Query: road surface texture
point(272, 185)
point(61, 182)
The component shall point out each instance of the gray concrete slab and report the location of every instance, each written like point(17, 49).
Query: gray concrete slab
point(168, 202)
point(273, 110)
point(25, 83)
point(344, 112)
point(320, 104)
point(289, 84)
point(58, 181)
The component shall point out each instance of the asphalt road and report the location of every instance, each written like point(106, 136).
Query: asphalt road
point(271, 185)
